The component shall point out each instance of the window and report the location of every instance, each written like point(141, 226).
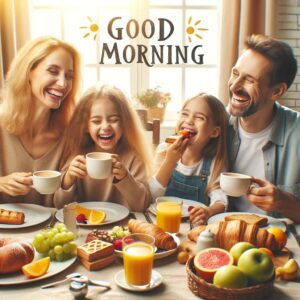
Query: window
point(71, 20)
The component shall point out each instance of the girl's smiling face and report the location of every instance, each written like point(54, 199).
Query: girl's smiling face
point(195, 117)
point(105, 125)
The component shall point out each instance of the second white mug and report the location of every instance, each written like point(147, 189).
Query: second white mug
point(46, 181)
point(99, 165)
point(235, 184)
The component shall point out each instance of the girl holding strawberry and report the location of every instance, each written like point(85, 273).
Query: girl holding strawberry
point(190, 167)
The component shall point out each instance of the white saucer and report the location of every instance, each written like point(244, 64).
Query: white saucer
point(156, 280)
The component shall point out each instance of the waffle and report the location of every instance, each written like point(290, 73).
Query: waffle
point(94, 250)
point(11, 217)
point(98, 264)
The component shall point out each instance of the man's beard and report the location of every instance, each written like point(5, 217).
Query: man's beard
point(248, 111)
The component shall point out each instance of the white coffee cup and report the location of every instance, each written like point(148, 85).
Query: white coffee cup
point(98, 165)
point(46, 181)
point(235, 184)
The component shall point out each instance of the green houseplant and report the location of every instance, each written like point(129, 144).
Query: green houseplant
point(155, 101)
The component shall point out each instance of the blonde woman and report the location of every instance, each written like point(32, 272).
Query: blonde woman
point(190, 168)
point(104, 121)
point(38, 100)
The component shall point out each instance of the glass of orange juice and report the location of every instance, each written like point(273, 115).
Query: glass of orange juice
point(138, 256)
point(168, 214)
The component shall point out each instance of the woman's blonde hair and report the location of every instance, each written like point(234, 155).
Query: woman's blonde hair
point(16, 106)
point(79, 140)
point(216, 147)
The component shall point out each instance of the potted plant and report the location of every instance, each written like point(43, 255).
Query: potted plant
point(155, 101)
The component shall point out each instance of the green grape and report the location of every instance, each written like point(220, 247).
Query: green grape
point(59, 257)
point(60, 227)
point(73, 246)
point(49, 234)
point(63, 237)
point(38, 238)
point(70, 236)
point(59, 238)
point(67, 248)
point(51, 254)
point(58, 249)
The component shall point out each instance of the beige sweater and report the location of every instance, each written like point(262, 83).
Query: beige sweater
point(132, 191)
point(15, 158)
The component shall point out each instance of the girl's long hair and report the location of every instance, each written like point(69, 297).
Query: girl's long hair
point(17, 105)
point(78, 139)
point(216, 147)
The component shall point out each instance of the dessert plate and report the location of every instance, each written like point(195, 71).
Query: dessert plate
point(272, 222)
point(19, 278)
point(156, 280)
point(185, 205)
point(114, 212)
point(159, 253)
point(34, 214)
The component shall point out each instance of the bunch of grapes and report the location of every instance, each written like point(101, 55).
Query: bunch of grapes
point(118, 232)
point(57, 243)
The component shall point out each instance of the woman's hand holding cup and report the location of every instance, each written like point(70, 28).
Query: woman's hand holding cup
point(16, 184)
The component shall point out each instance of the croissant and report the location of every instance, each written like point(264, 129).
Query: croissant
point(228, 233)
point(163, 240)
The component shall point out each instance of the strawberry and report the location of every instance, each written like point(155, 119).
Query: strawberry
point(81, 218)
point(118, 245)
point(128, 240)
point(190, 208)
point(184, 133)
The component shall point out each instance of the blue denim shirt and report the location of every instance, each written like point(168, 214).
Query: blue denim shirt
point(281, 152)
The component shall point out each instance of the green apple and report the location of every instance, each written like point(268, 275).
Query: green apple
point(230, 277)
point(238, 249)
point(258, 266)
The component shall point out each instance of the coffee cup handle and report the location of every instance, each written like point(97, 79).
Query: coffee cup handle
point(252, 185)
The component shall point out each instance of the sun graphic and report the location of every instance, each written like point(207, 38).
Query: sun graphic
point(190, 30)
point(94, 28)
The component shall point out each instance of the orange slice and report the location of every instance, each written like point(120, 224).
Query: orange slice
point(37, 268)
point(83, 210)
point(97, 217)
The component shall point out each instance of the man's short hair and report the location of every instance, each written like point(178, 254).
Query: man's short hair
point(284, 64)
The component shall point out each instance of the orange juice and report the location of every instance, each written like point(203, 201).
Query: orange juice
point(138, 261)
point(168, 216)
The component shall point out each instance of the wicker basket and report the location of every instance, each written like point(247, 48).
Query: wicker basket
point(206, 290)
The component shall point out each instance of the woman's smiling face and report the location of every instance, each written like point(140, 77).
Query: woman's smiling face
point(51, 80)
point(105, 125)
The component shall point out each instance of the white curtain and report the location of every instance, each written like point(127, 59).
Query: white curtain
point(14, 31)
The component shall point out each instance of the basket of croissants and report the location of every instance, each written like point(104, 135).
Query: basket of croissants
point(203, 282)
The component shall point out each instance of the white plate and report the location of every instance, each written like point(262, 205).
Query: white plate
point(161, 253)
point(19, 278)
point(156, 280)
point(185, 204)
point(114, 212)
point(34, 214)
point(272, 222)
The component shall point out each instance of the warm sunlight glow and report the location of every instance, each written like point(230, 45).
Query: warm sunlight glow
point(93, 29)
point(191, 29)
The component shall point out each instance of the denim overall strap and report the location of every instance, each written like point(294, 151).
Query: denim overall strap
point(190, 187)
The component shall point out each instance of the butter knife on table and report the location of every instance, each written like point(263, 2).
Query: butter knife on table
point(293, 231)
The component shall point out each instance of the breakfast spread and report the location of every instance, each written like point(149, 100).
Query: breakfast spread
point(11, 217)
point(14, 254)
point(96, 254)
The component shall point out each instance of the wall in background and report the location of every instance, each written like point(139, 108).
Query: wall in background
point(289, 31)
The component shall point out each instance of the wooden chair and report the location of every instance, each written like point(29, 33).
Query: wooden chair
point(153, 126)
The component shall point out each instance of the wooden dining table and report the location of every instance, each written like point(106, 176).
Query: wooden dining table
point(174, 285)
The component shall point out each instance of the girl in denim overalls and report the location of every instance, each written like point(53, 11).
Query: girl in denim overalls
point(190, 167)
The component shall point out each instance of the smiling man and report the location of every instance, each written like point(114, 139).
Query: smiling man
point(264, 137)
